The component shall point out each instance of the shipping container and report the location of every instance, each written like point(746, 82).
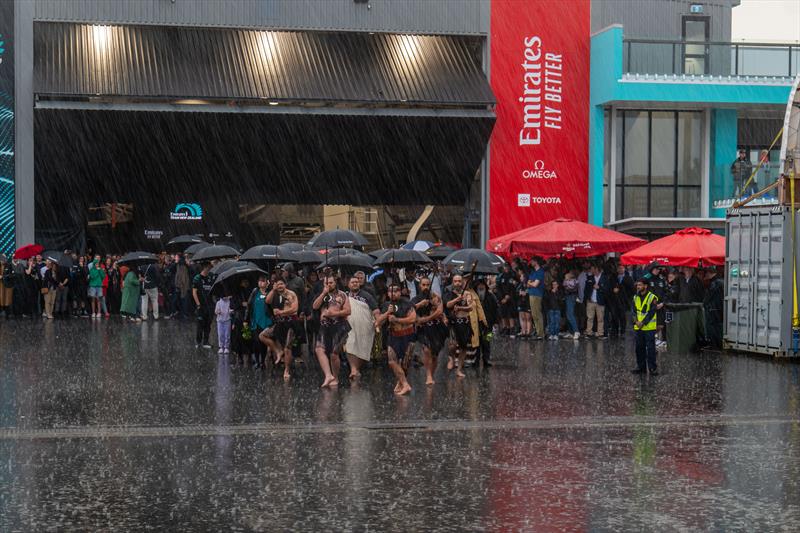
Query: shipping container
point(758, 280)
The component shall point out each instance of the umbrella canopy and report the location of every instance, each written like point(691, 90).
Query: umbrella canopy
point(135, 259)
point(182, 242)
point(293, 246)
point(59, 258)
point(690, 247)
point(420, 246)
point(194, 248)
point(28, 251)
point(233, 275)
point(354, 261)
point(269, 254)
point(217, 251)
point(440, 252)
point(379, 252)
point(338, 237)
point(473, 260)
point(222, 266)
point(563, 236)
point(308, 257)
point(402, 259)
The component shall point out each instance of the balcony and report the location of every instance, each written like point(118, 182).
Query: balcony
point(648, 59)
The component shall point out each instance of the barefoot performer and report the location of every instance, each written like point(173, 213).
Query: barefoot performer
point(281, 335)
point(460, 303)
point(400, 315)
point(334, 307)
point(431, 331)
point(363, 313)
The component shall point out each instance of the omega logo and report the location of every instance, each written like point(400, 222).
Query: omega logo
point(539, 172)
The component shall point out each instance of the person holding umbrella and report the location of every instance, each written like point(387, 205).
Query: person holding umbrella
point(204, 312)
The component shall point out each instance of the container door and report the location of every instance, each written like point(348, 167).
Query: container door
point(739, 265)
point(767, 279)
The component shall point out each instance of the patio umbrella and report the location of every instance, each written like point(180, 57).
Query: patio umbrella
point(402, 259)
point(473, 260)
point(420, 246)
point(562, 236)
point(440, 252)
point(308, 257)
point(217, 251)
point(28, 251)
point(692, 247)
point(136, 259)
point(59, 258)
point(182, 242)
point(337, 238)
point(232, 276)
point(194, 248)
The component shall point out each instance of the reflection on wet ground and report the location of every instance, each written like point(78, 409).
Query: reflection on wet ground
point(108, 425)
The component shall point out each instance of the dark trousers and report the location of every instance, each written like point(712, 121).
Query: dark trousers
point(617, 322)
point(646, 350)
point(714, 328)
point(203, 326)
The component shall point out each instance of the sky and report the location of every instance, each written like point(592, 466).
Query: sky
point(766, 21)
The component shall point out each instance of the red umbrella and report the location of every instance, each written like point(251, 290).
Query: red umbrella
point(562, 236)
point(690, 247)
point(28, 251)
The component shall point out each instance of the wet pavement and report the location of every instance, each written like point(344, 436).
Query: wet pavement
point(111, 425)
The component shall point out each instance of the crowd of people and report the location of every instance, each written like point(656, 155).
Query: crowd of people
point(346, 320)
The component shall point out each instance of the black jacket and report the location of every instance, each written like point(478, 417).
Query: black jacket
point(489, 303)
point(690, 291)
point(603, 290)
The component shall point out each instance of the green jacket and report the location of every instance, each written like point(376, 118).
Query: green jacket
point(96, 275)
point(130, 293)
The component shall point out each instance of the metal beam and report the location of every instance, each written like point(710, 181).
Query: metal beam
point(262, 109)
point(24, 202)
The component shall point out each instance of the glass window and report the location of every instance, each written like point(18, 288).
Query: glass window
point(636, 147)
point(690, 148)
point(661, 174)
point(662, 201)
point(662, 148)
point(635, 199)
point(688, 202)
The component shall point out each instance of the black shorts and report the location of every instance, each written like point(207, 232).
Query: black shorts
point(332, 336)
point(462, 332)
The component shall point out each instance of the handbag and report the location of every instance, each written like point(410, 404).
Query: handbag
point(44, 290)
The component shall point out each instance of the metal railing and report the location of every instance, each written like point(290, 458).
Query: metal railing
point(709, 58)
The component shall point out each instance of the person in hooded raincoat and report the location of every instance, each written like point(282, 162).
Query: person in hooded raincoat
point(130, 295)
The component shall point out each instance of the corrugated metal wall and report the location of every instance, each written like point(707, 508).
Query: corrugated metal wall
point(461, 17)
point(661, 19)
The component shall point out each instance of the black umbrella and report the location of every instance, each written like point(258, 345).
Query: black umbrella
point(217, 251)
point(308, 257)
point(379, 252)
point(352, 261)
point(230, 244)
point(338, 237)
point(439, 252)
point(59, 258)
point(473, 260)
point(182, 242)
point(233, 276)
point(402, 259)
point(268, 255)
point(194, 248)
point(293, 246)
point(222, 266)
point(136, 259)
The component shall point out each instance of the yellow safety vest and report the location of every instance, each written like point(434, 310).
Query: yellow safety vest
point(642, 308)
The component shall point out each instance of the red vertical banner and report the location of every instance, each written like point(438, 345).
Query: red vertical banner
point(539, 156)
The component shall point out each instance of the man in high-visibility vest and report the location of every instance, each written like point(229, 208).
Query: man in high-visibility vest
point(644, 326)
